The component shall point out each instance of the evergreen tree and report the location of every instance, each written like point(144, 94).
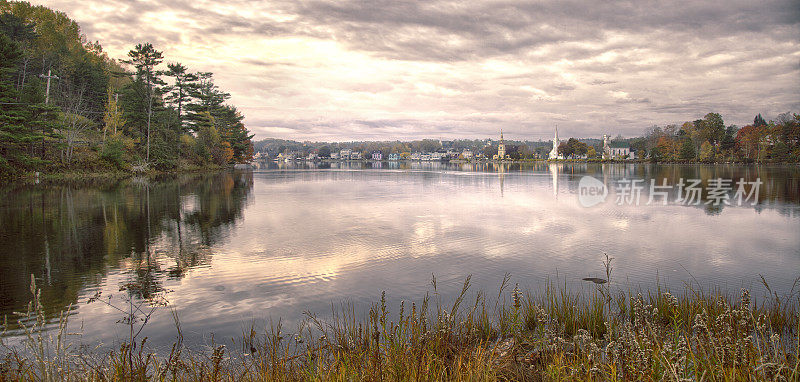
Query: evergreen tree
point(183, 84)
point(206, 98)
point(11, 116)
point(759, 121)
point(145, 59)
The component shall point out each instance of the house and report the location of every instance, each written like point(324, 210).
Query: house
point(377, 155)
point(355, 155)
point(334, 155)
point(312, 156)
point(621, 150)
point(394, 157)
point(466, 154)
point(345, 153)
point(425, 157)
point(416, 156)
point(438, 155)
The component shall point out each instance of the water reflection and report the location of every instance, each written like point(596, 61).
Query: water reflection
point(69, 236)
point(236, 246)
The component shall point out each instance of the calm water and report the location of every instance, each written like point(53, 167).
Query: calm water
point(232, 248)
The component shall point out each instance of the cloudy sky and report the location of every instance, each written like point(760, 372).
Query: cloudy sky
point(391, 69)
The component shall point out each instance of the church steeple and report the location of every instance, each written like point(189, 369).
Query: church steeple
point(501, 147)
point(554, 151)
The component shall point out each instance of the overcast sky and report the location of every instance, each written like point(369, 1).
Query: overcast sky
point(390, 69)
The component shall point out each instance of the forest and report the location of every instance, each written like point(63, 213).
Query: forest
point(66, 106)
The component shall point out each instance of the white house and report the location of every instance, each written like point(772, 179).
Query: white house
point(621, 150)
point(345, 153)
point(466, 154)
point(394, 157)
point(334, 155)
point(355, 155)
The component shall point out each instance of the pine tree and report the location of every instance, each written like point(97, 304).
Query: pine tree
point(179, 93)
point(145, 59)
point(206, 98)
point(759, 121)
point(13, 134)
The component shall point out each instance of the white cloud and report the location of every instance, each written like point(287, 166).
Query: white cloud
point(394, 70)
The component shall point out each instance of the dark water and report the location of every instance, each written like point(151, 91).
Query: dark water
point(232, 248)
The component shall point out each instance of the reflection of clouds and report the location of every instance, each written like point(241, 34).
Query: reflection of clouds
point(312, 238)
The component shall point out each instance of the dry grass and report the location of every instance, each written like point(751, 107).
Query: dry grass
point(554, 334)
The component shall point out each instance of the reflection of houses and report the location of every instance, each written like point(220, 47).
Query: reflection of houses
point(394, 157)
point(377, 155)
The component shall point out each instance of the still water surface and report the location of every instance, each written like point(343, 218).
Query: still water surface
point(232, 248)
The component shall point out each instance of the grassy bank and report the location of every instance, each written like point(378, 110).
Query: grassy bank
point(608, 333)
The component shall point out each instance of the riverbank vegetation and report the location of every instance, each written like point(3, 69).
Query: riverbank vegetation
point(607, 333)
point(66, 106)
point(705, 140)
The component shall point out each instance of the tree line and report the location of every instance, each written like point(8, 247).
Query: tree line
point(66, 106)
point(709, 140)
point(706, 140)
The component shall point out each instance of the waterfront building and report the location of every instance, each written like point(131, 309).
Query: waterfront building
point(621, 150)
point(554, 152)
point(377, 155)
point(501, 147)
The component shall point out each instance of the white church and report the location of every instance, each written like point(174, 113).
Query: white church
point(554, 152)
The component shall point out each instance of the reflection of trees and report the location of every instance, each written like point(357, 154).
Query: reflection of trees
point(69, 235)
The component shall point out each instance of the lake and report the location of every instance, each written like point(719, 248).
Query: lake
point(233, 248)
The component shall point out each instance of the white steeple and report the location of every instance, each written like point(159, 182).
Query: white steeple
point(554, 151)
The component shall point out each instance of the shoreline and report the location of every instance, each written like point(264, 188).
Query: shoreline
point(530, 161)
point(79, 176)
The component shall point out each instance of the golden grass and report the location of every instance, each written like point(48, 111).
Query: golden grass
point(553, 334)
